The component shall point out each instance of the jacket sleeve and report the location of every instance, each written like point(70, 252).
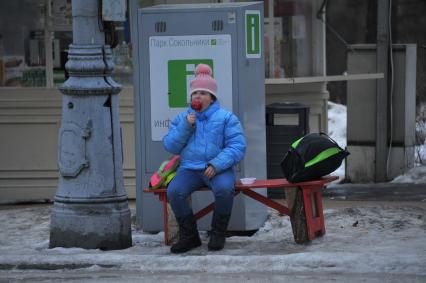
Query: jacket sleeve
point(178, 135)
point(234, 146)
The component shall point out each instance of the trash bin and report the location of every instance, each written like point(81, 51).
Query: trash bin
point(285, 122)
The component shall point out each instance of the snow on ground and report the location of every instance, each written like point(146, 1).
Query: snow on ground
point(416, 175)
point(372, 239)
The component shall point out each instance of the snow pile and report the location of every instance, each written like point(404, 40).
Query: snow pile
point(416, 175)
point(337, 130)
point(375, 239)
point(420, 149)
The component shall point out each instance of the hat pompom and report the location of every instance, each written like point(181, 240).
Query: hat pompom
point(203, 69)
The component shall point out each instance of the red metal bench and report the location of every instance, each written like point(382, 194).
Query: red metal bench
point(310, 191)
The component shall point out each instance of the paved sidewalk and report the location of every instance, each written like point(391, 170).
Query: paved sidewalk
point(374, 234)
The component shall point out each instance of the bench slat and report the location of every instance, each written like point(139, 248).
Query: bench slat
point(269, 183)
point(283, 183)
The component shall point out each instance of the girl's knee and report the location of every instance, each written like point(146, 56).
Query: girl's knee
point(223, 185)
point(224, 190)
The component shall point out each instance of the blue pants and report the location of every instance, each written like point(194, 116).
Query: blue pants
point(187, 181)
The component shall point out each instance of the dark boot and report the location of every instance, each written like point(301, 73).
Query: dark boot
point(218, 232)
point(188, 235)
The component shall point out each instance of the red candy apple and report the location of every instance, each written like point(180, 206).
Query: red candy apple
point(196, 104)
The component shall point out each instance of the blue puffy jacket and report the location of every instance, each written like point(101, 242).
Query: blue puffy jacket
point(217, 139)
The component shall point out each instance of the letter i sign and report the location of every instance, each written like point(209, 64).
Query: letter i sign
point(253, 40)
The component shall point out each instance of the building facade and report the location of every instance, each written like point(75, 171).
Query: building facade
point(33, 52)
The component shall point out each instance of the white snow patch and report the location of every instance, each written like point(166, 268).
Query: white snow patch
point(337, 130)
point(416, 175)
point(358, 240)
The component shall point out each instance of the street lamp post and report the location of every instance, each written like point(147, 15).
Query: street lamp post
point(91, 208)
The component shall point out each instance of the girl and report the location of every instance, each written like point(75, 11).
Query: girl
point(210, 141)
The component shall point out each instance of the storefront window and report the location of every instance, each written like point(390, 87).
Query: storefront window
point(288, 53)
point(23, 56)
point(61, 22)
point(121, 54)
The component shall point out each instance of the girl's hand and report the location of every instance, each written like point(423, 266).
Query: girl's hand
point(191, 118)
point(210, 172)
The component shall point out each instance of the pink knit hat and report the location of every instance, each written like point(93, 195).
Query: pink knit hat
point(203, 80)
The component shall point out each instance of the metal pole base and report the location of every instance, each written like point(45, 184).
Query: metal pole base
point(100, 225)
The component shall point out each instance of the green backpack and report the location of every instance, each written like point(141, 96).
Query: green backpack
point(311, 157)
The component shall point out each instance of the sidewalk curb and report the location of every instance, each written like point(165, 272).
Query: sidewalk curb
point(52, 266)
